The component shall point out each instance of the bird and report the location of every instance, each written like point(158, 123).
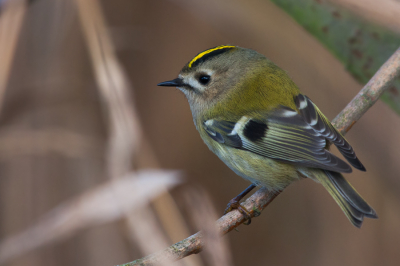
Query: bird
point(250, 113)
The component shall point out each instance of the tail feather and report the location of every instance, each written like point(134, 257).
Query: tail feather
point(350, 194)
point(356, 217)
point(351, 203)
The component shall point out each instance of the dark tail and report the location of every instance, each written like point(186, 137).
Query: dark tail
point(352, 204)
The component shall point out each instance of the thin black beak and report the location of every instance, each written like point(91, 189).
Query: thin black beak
point(171, 83)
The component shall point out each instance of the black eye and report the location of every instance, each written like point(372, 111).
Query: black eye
point(204, 79)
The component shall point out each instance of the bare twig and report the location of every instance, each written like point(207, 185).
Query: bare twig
point(259, 200)
point(371, 92)
point(203, 214)
point(194, 244)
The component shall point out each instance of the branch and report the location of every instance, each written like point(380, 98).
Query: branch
point(368, 95)
point(371, 92)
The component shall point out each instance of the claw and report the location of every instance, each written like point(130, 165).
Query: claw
point(235, 204)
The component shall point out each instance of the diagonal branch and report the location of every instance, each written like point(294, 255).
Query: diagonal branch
point(371, 92)
point(381, 81)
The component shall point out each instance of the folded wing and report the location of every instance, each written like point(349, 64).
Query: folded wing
point(283, 135)
point(314, 118)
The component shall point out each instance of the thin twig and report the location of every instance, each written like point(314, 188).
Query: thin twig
point(194, 244)
point(368, 95)
point(259, 200)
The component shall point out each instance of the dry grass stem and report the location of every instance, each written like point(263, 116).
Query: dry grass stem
point(124, 127)
point(103, 204)
point(173, 223)
point(203, 215)
point(23, 142)
point(114, 89)
point(12, 16)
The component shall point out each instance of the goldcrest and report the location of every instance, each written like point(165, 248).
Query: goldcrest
point(254, 118)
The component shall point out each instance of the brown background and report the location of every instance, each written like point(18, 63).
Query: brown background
point(52, 87)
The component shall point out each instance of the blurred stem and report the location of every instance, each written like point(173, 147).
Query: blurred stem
point(11, 19)
point(124, 126)
point(381, 81)
point(194, 244)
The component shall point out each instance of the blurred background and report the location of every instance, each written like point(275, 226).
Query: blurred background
point(80, 108)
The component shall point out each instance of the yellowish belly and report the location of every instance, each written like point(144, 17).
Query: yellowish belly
point(259, 170)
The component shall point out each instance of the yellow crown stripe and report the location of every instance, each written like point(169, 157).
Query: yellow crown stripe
point(209, 51)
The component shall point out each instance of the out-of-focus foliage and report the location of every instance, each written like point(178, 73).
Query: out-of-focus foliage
point(360, 45)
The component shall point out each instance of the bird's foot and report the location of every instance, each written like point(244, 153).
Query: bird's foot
point(234, 204)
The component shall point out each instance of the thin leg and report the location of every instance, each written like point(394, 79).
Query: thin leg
point(235, 204)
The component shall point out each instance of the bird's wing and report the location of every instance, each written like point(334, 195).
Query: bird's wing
point(316, 119)
point(283, 135)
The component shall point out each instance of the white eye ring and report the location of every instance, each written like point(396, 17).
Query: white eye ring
point(194, 82)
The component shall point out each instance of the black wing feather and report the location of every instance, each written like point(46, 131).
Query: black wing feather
point(314, 117)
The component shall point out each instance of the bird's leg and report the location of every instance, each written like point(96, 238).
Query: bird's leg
point(235, 204)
